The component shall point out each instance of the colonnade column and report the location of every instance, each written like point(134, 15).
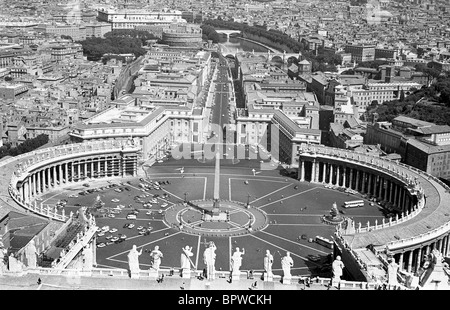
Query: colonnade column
point(369, 189)
point(391, 192)
point(357, 181)
point(394, 197)
point(338, 176)
point(331, 175)
point(380, 188)
point(38, 173)
point(85, 164)
point(313, 171)
point(30, 189)
point(106, 167)
point(79, 171)
point(344, 177)
point(350, 183)
point(25, 191)
point(60, 176)
point(48, 178)
point(410, 260)
point(35, 177)
point(92, 168)
point(400, 198)
point(419, 259)
point(447, 249)
point(400, 261)
point(302, 173)
point(54, 175)
point(317, 166)
point(386, 190)
point(66, 172)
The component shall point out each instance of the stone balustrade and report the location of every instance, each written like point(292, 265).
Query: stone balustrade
point(406, 216)
point(77, 247)
point(49, 211)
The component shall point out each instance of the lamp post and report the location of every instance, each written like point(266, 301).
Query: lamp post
point(248, 200)
point(185, 194)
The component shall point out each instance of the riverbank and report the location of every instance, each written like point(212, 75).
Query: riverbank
point(226, 50)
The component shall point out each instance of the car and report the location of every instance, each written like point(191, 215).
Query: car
point(119, 240)
point(101, 234)
point(115, 200)
point(126, 225)
point(149, 213)
point(105, 228)
point(139, 228)
point(160, 211)
point(142, 232)
point(99, 229)
point(123, 237)
point(101, 245)
point(131, 216)
point(150, 228)
point(164, 205)
point(73, 196)
point(113, 230)
point(77, 205)
point(109, 242)
point(109, 237)
point(131, 225)
point(86, 185)
point(114, 239)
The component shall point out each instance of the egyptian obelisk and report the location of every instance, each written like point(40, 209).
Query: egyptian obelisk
point(216, 204)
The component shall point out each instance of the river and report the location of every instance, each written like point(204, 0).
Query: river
point(238, 44)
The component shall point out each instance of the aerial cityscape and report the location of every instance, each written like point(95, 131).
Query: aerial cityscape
point(225, 145)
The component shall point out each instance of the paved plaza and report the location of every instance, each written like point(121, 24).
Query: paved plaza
point(293, 210)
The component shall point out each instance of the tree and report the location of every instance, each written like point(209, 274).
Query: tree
point(402, 96)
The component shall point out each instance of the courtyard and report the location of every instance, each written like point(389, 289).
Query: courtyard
point(292, 211)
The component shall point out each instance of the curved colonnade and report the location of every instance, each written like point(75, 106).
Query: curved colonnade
point(421, 223)
point(38, 172)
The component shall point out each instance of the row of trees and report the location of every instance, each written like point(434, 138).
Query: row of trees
point(27, 146)
point(323, 61)
point(117, 42)
point(209, 33)
point(431, 104)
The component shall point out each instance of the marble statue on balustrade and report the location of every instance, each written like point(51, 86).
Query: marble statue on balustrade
point(185, 260)
point(268, 261)
point(286, 264)
point(392, 270)
point(31, 255)
point(236, 261)
point(435, 275)
point(209, 259)
point(156, 256)
point(337, 269)
point(133, 260)
point(14, 264)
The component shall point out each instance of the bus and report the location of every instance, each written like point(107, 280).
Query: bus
point(324, 241)
point(354, 204)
